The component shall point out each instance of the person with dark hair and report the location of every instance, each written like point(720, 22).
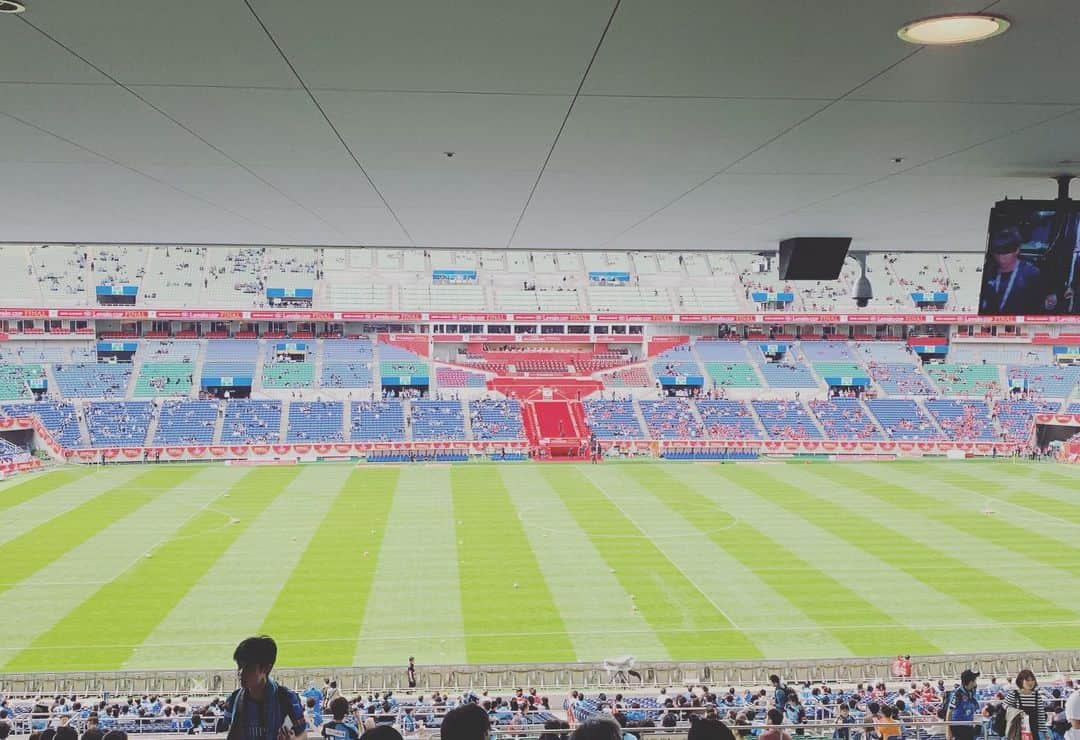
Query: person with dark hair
point(466, 722)
point(410, 672)
point(115, 735)
point(774, 718)
point(258, 710)
point(66, 732)
point(381, 732)
point(963, 706)
point(5, 729)
point(1011, 285)
point(710, 729)
point(1026, 698)
point(338, 729)
point(597, 728)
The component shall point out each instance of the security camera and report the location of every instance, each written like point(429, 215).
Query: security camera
point(863, 292)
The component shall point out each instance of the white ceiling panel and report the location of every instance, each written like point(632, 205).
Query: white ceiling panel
point(107, 120)
point(411, 131)
point(459, 227)
point(753, 48)
point(861, 137)
point(28, 56)
point(24, 143)
point(518, 46)
point(1034, 62)
point(164, 42)
point(256, 127)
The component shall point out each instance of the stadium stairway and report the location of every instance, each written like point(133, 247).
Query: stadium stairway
point(318, 362)
point(136, 369)
point(559, 423)
point(467, 418)
point(283, 426)
point(219, 426)
point(256, 379)
point(346, 417)
point(196, 374)
point(151, 428)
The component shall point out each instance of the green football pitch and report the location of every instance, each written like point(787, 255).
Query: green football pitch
point(167, 567)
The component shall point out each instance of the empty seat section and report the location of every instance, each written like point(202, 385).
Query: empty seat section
point(315, 421)
point(628, 298)
point(248, 421)
point(677, 361)
point(787, 374)
point(671, 418)
point(963, 420)
point(277, 375)
point(613, 419)
point(901, 379)
point(377, 421)
point(186, 422)
point(92, 380)
point(16, 381)
point(175, 350)
point(437, 420)
point(1047, 380)
point(955, 379)
point(452, 377)
point(496, 419)
point(786, 420)
point(844, 418)
point(58, 417)
point(902, 419)
point(118, 423)
point(631, 377)
point(164, 379)
point(727, 419)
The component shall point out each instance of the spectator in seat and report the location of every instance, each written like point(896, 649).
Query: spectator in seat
point(774, 719)
point(710, 729)
point(467, 722)
point(338, 729)
point(259, 708)
point(597, 728)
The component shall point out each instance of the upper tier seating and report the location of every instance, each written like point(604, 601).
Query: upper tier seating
point(118, 423)
point(232, 350)
point(628, 298)
point(58, 417)
point(901, 379)
point(709, 299)
point(169, 350)
point(20, 285)
point(377, 421)
point(15, 379)
point(1048, 380)
point(61, 273)
point(677, 361)
point(786, 420)
point(175, 276)
point(963, 420)
point(92, 380)
point(671, 418)
point(613, 419)
point(47, 353)
point(1016, 417)
point(346, 375)
point(829, 351)
point(249, 421)
point(787, 373)
point(452, 377)
point(496, 419)
point(277, 375)
point(883, 352)
point(186, 422)
point(631, 377)
point(844, 418)
point(164, 379)
point(902, 419)
point(362, 295)
point(726, 419)
point(437, 420)
point(465, 297)
point(316, 421)
point(348, 350)
point(956, 379)
point(233, 277)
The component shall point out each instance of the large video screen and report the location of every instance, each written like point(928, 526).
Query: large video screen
point(1032, 259)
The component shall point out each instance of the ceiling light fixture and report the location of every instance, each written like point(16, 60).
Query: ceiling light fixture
point(11, 6)
point(945, 30)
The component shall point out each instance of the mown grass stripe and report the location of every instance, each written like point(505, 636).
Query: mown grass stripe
point(1002, 483)
point(54, 591)
point(494, 555)
point(24, 490)
point(327, 592)
point(903, 493)
point(939, 619)
point(996, 599)
point(678, 611)
point(418, 608)
point(265, 553)
point(603, 624)
point(816, 594)
point(28, 553)
point(109, 625)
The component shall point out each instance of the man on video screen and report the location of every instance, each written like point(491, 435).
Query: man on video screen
point(1062, 270)
point(1011, 285)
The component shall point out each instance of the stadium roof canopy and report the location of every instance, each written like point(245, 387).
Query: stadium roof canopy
point(682, 124)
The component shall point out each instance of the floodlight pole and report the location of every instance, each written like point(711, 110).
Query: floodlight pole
point(1063, 186)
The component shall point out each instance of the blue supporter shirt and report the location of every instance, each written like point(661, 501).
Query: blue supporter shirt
point(334, 730)
point(262, 720)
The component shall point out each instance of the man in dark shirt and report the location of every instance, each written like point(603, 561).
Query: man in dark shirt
point(410, 672)
point(1010, 285)
point(258, 710)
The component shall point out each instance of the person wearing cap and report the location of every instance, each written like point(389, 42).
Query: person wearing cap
point(1011, 285)
point(963, 707)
